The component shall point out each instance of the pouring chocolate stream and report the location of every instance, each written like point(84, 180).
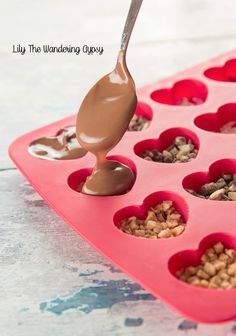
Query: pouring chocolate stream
point(103, 118)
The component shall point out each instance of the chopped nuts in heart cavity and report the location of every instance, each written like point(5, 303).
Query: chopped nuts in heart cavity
point(186, 101)
point(138, 123)
point(223, 189)
point(161, 221)
point(229, 127)
point(181, 150)
point(217, 268)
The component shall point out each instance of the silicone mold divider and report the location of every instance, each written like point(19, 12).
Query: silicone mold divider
point(153, 263)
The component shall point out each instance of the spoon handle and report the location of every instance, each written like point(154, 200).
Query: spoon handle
point(129, 24)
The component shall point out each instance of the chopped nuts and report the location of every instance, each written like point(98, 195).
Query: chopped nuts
point(203, 275)
point(217, 195)
point(216, 270)
point(166, 233)
point(219, 248)
point(162, 221)
point(181, 150)
point(229, 127)
point(178, 230)
point(209, 268)
point(138, 123)
point(209, 188)
point(232, 195)
point(232, 269)
point(188, 101)
point(223, 189)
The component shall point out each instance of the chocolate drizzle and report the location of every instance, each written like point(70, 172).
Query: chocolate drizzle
point(64, 146)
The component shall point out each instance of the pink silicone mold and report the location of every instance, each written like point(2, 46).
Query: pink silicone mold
point(187, 258)
point(165, 139)
point(140, 211)
point(191, 89)
point(144, 110)
point(153, 263)
point(225, 73)
point(213, 122)
point(194, 181)
point(78, 178)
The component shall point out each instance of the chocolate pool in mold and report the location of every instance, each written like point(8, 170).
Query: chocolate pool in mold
point(77, 179)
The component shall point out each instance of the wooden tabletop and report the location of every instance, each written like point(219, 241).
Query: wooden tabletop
point(51, 281)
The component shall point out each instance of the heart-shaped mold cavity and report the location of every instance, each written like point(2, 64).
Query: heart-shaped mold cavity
point(223, 121)
point(225, 73)
point(77, 179)
point(185, 92)
point(174, 145)
point(162, 214)
point(212, 265)
point(142, 117)
point(62, 146)
point(219, 183)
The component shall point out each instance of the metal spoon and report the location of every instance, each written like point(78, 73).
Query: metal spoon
point(129, 24)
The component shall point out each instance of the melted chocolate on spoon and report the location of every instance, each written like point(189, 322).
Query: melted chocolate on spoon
point(103, 118)
point(64, 146)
